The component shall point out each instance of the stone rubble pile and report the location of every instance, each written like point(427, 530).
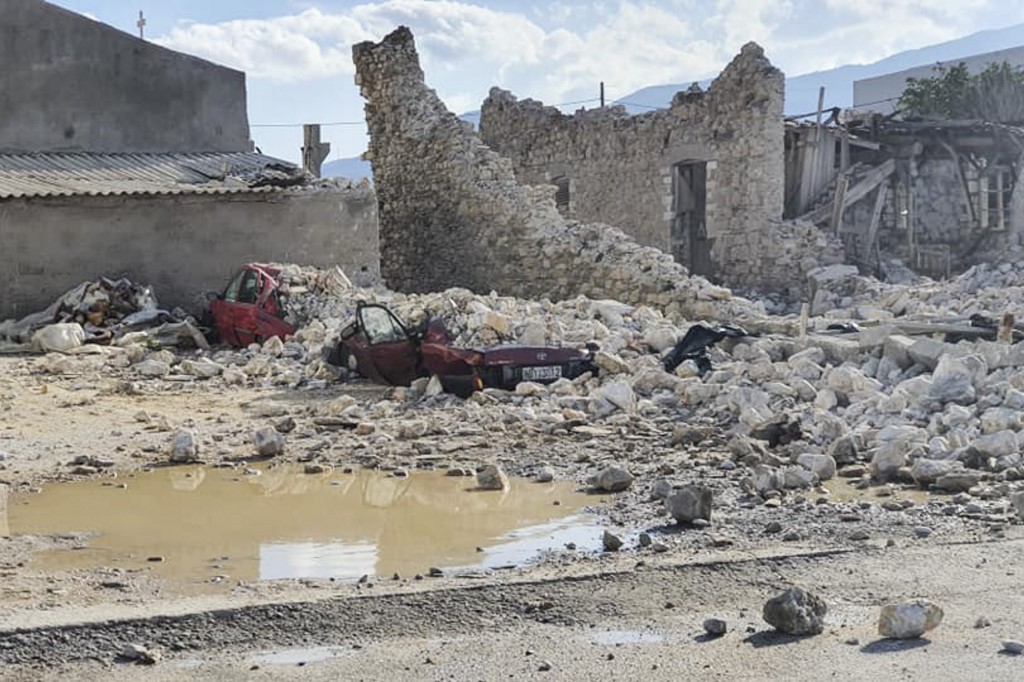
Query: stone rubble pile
point(776, 415)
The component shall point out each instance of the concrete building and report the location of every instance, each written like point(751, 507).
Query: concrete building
point(880, 94)
point(120, 157)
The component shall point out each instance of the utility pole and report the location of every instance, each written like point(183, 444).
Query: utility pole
point(141, 23)
point(602, 94)
point(313, 150)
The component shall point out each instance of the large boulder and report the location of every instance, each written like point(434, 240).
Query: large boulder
point(796, 612)
point(689, 503)
point(612, 479)
point(909, 619)
point(492, 477)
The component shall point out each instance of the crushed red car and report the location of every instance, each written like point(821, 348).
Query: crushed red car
point(250, 310)
point(384, 350)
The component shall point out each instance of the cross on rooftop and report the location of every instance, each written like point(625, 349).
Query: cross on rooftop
point(141, 23)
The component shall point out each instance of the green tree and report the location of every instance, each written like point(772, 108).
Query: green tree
point(995, 94)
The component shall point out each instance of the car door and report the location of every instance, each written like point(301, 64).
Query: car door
point(393, 354)
point(235, 312)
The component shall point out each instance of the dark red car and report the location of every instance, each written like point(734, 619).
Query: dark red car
point(250, 309)
point(384, 350)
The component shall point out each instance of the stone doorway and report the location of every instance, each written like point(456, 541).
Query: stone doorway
point(690, 243)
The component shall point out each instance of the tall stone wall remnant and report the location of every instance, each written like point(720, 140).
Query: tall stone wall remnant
point(452, 214)
point(700, 180)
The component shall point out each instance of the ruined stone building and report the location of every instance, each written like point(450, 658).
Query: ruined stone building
point(120, 157)
point(452, 213)
point(696, 180)
point(936, 196)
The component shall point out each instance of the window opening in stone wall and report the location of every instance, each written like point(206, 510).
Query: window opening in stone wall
point(690, 243)
point(995, 192)
point(561, 184)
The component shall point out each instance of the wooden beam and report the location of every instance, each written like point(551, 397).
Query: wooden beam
point(965, 191)
point(839, 204)
point(870, 181)
point(876, 218)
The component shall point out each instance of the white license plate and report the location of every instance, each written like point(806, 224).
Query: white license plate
point(542, 373)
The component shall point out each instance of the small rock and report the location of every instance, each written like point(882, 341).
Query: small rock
point(140, 654)
point(613, 479)
point(909, 620)
point(922, 531)
point(1013, 646)
point(545, 475)
point(184, 446)
point(716, 627)
point(315, 468)
point(645, 540)
point(689, 503)
point(544, 666)
point(492, 477)
point(612, 542)
point(269, 441)
point(796, 612)
point(982, 622)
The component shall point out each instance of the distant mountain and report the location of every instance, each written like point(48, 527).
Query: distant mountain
point(802, 91)
point(353, 169)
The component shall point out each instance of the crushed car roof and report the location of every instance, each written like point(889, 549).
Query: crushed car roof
point(46, 174)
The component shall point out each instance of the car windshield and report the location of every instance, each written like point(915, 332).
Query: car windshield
point(380, 326)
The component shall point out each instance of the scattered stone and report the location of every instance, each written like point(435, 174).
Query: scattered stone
point(715, 627)
point(545, 475)
point(611, 542)
point(1013, 646)
point(269, 441)
point(140, 654)
point(796, 612)
point(689, 503)
point(492, 477)
point(184, 446)
point(613, 479)
point(909, 619)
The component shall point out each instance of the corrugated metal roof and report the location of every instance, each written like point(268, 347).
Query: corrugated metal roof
point(47, 174)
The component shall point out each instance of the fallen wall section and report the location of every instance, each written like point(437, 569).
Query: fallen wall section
point(452, 214)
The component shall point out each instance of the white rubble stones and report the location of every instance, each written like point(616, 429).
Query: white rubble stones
point(203, 368)
point(612, 480)
point(823, 466)
point(796, 612)
point(909, 619)
point(689, 503)
point(611, 398)
point(184, 446)
point(153, 368)
point(61, 337)
point(492, 477)
point(269, 442)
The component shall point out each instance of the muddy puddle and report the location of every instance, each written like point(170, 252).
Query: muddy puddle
point(842, 490)
point(200, 525)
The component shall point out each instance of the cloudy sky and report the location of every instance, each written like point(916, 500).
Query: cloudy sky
point(297, 53)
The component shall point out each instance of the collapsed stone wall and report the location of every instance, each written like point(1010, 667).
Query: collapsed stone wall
point(620, 168)
point(452, 214)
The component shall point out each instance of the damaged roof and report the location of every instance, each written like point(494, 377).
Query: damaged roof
point(50, 174)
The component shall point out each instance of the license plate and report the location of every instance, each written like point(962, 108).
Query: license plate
point(542, 373)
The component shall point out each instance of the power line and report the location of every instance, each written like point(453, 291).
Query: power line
point(299, 125)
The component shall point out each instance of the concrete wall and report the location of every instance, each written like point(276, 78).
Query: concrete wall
point(182, 245)
point(69, 83)
point(880, 93)
point(621, 167)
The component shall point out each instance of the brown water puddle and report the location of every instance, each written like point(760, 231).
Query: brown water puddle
point(283, 523)
point(842, 490)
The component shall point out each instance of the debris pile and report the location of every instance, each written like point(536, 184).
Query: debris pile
point(104, 312)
